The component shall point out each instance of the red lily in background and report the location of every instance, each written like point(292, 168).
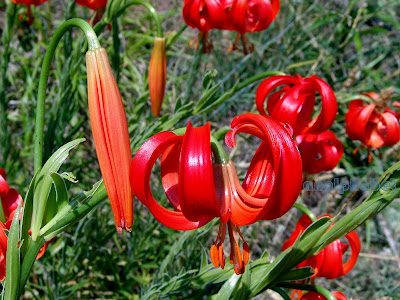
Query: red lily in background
point(250, 16)
point(396, 114)
point(366, 124)
point(110, 135)
point(157, 75)
point(10, 200)
point(28, 17)
point(319, 152)
point(329, 262)
point(200, 190)
point(294, 103)
point(98, 5)
point(205, 15)
point(318, 296)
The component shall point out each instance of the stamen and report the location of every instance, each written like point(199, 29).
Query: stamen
point(246, 254)
point(355, 151)
point(221, 255)
point(214, 255)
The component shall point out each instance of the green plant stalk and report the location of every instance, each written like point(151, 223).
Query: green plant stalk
point(307, 287)
point(280, 292)
point(258, 77)
point(27, 263)
point(5, 135)
point(150, 8)
point(93, 44)
point(305, 210)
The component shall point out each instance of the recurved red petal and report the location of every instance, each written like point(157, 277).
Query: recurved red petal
point(141, 168)
point(284, 157)
point(196, 181)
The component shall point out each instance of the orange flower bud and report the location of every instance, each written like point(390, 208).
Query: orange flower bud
point(157, 75)
point(111, 136)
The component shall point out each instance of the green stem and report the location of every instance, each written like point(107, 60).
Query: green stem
point(93, 44)
point(305, 210)
point(150, 8)
point(218, 151)
point(307, 287)
point(258, 77)
point(27, 263)
point(280, 292)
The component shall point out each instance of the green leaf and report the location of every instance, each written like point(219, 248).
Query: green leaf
point(297, 274)
point(27, 216)
point(227, 288)
point(44, 182)
point(12, 258)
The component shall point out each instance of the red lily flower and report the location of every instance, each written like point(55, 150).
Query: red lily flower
point(29, 17)
point(319, 152)
point(205, 15)
point(250, 16)
point(318, 296)
point(373, 129)
point(294, 103)
point(329, 262)
point(110, 135)
point(200, 190)
point(98, 5)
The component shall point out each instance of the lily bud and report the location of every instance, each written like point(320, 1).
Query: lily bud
point(111, 136)
point(157, 75)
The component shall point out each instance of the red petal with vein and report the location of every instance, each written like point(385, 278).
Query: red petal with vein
point(283, 184)
point(196, 181)
point(29, 2)
point(141, 168)
point(355, 246)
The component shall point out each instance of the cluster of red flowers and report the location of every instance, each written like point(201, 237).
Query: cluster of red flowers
point(294, 104)
point(235, 15)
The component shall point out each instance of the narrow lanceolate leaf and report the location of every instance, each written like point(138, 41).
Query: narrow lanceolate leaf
point(228, 287)
point(12, 258)
point(27, 216)
point(44, 182)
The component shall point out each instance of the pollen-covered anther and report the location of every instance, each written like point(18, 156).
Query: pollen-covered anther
point(214, 255)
